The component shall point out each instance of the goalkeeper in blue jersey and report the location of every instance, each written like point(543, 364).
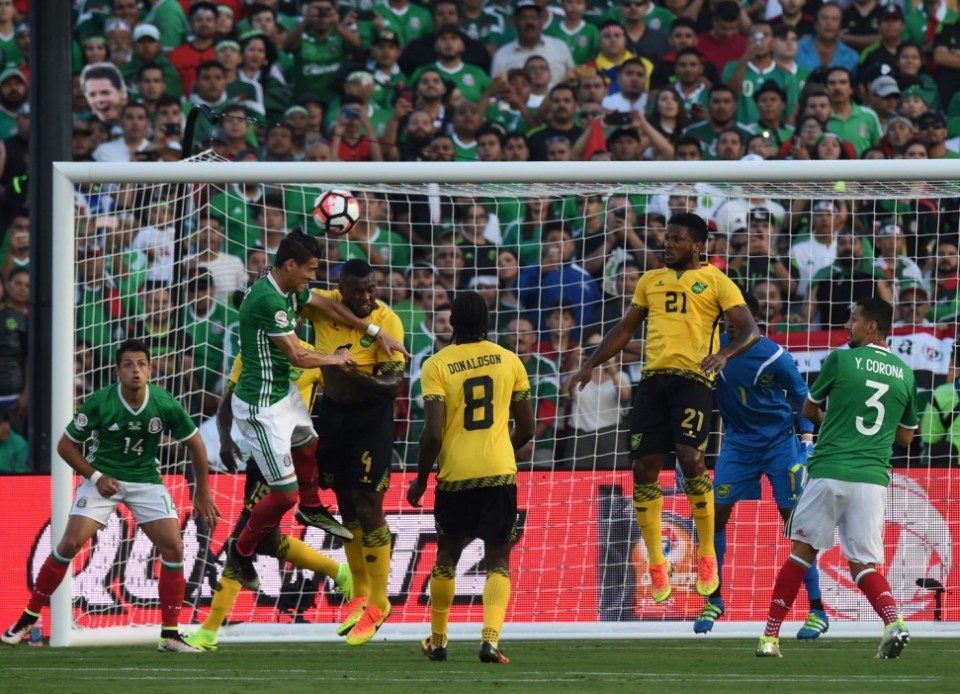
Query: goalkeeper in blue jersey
point(757, 394)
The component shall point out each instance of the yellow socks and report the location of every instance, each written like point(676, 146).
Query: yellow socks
point(376, 554)
point(358, 565)
point(300, 554)
point(226, 594)
point(496, 596)
point(442, 590)
point(648, 505)
point(700, 495)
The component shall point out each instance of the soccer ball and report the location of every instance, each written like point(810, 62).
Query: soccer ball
point(336, 212)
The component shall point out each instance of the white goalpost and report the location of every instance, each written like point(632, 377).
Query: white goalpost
point(579, 568)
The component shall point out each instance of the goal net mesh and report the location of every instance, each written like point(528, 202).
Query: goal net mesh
point(557, 263)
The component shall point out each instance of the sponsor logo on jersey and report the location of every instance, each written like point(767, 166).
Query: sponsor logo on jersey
point(113, 427)
point(281, 319)
point(155, 425)
point(698, 287)
point(80, 421)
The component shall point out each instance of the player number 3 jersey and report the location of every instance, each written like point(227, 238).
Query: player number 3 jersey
point(869, 393)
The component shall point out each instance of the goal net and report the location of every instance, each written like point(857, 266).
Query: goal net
point(165, 252)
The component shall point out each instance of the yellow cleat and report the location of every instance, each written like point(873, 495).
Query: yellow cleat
point(368, 626)
point(708, 578)
point(768, 647)
point(354, 610)
point(660, 588)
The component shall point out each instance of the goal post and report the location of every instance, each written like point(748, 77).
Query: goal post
point(579, 537)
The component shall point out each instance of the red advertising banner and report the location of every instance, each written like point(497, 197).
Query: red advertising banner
point(579, 558)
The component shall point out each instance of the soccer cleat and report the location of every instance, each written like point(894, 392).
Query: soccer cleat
point(660, 581)
point(708, 577)
point(15, 634)
point(895, 638)
point(242, 566)
point(769, 647)
point(370, 622)
point(203, 639)
point(438, 654)
point(711, 612)
point(492, 654)
point(343, 581)
point(354, 608)
point(817, 623)
point(320, 517)
point(176, 644)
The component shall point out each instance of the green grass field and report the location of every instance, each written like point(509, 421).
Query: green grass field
point(703, 666)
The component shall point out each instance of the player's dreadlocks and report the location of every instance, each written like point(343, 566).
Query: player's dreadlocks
point(469, 318)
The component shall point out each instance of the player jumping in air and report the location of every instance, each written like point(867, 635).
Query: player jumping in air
point(355, 427)
point(872, 405)
point(124, 424)
point(470, 389)
point(683, 304)
point(754, 396)
point(269, 411)
point(275, 544)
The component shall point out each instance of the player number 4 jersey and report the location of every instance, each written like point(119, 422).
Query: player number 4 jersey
point(869, 393)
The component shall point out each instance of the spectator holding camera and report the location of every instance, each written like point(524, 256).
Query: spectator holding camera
point(350, 141)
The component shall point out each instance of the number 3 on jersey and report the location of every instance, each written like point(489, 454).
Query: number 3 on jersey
point(873, 402)
point(478, 403)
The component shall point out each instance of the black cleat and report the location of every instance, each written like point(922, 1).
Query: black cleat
point(242, 566)
point(438, 654)
point(492, 654)
point(320, 517)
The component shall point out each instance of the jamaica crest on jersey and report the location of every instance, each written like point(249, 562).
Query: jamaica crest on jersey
point(154, 426)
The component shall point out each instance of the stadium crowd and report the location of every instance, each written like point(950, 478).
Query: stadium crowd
point(476, 80)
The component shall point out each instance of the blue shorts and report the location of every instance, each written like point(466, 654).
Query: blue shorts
point(738, 472)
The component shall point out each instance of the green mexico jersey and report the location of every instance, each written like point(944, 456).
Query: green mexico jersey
point(124, 441)
point(316, 60)
point(869, 392)
point(266, 312)
point(753, 79)
point(583, 42)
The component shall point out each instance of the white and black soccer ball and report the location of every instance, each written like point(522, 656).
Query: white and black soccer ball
point(336, 212)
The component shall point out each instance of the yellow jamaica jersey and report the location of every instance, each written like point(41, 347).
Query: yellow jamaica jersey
point(364, 350)
point(307, 381)
point(684, 308)
point(477, 382)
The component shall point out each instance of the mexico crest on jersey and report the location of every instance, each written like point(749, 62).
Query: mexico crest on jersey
point(281, 319)
point(155, 425)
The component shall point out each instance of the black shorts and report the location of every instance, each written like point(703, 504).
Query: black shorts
point(355, 444)
point(487, 513)
point(669, 410)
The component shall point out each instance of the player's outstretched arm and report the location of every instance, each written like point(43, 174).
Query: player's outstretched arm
point(304, 358)
point(339, 312)
point(72, 453)
point(434, 415)
point(612, 344)
point(203, 504)
point(748, 334)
